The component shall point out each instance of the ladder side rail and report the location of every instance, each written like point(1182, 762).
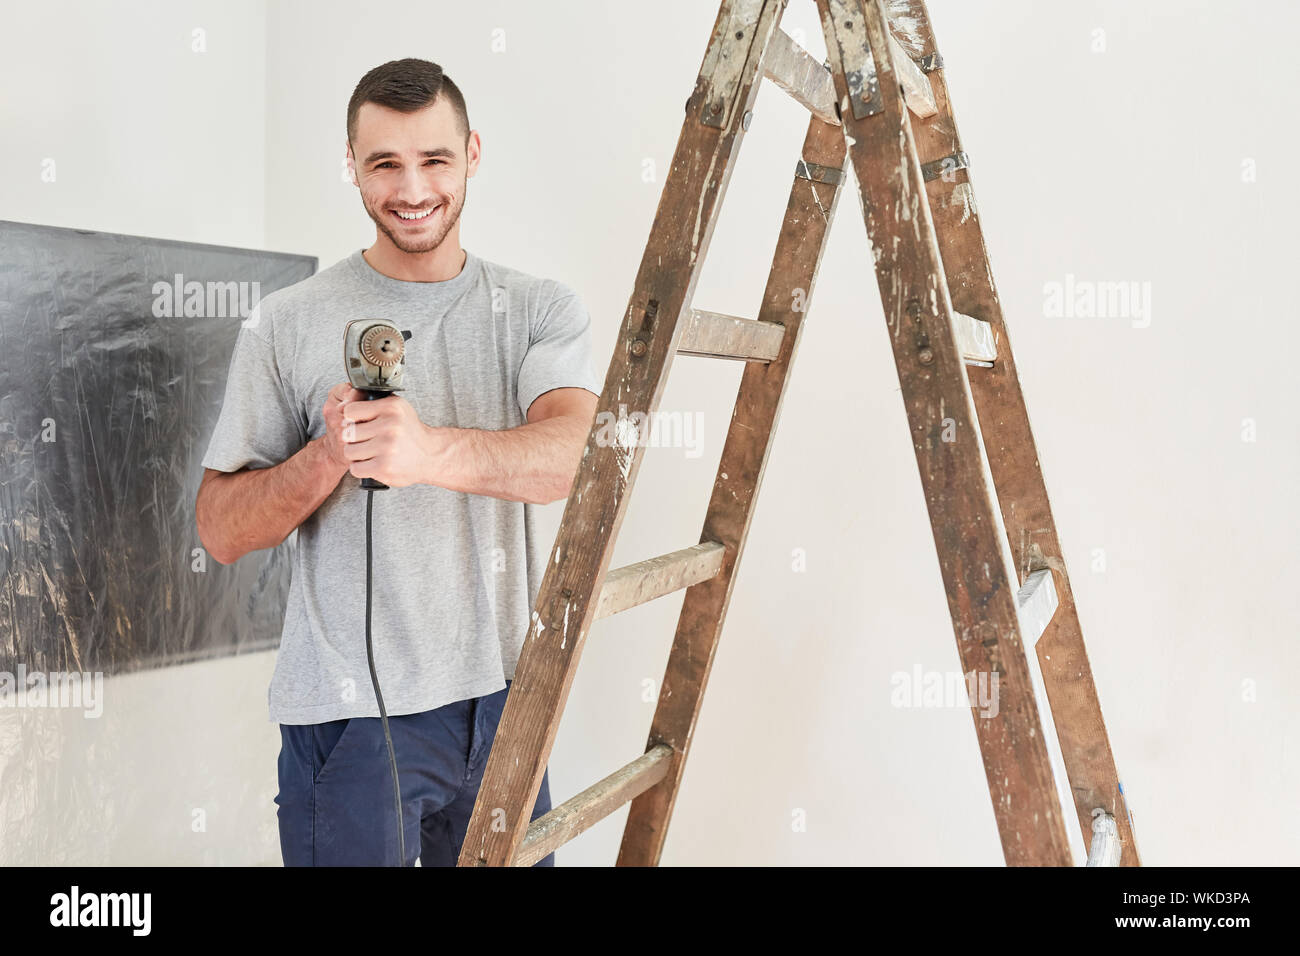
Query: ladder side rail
point(979, 587)
point(1013, 455)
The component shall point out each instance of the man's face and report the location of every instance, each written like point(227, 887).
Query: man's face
point(412, 170)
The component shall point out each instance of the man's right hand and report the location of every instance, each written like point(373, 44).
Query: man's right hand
point(256, 508)
point(339, 396)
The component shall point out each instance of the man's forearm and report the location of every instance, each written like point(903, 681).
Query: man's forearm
point(258, 508)
point(535, 463)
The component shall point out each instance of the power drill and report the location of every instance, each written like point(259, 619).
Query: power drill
point(374, 355)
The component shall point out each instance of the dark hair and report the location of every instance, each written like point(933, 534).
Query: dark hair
point(406, 85)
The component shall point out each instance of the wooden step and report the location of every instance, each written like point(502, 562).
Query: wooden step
point(653, 578)
point(808, 81)
point(975, 339)
point(714, 335)
point(1035, 604)
point(917, 93)
point(802, 76)
point(598, 801)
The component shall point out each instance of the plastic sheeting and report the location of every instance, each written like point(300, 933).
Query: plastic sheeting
point(116, 350)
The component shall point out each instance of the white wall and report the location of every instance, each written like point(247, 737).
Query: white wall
point(1109, 166)
point(148, 137)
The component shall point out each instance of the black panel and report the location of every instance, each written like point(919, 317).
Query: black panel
point(109, 392)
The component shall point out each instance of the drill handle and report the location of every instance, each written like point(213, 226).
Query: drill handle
point(372, 483)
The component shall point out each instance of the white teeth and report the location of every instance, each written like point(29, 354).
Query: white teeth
point(417, 215)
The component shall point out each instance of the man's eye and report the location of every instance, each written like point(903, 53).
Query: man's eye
point(382, 165)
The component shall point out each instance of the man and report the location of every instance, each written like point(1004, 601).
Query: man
point(499, 399)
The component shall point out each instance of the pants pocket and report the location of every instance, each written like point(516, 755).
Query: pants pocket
point(329, 742)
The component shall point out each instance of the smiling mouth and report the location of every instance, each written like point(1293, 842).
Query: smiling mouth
point(417, 216)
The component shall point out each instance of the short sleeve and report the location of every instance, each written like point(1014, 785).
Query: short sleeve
point(559, 354)
point(258, 426)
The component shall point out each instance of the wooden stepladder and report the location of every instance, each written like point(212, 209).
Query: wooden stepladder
point(880, 101)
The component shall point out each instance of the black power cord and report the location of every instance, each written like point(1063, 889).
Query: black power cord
point(374, 679)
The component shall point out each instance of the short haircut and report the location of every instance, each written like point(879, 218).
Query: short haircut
point(407, 86)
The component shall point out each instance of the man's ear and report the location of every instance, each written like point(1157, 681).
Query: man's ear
point(473, 152)
point(352, 168)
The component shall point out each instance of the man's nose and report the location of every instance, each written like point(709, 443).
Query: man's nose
point(412, 189)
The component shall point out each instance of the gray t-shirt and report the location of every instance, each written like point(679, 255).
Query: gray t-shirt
point(455, 574)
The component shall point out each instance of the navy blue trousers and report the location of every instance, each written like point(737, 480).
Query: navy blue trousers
point(336, 786)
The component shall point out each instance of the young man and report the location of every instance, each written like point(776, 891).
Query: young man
point(498, 402)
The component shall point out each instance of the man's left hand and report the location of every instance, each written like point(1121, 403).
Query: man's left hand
point(385, 440)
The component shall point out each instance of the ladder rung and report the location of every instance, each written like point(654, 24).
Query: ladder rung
point(714, 335)
point(974, 340)
point(598, 801)
point(805, 78)
point(654, 577)
point(1035, 604)
point(808, 81)
point(917, 92)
